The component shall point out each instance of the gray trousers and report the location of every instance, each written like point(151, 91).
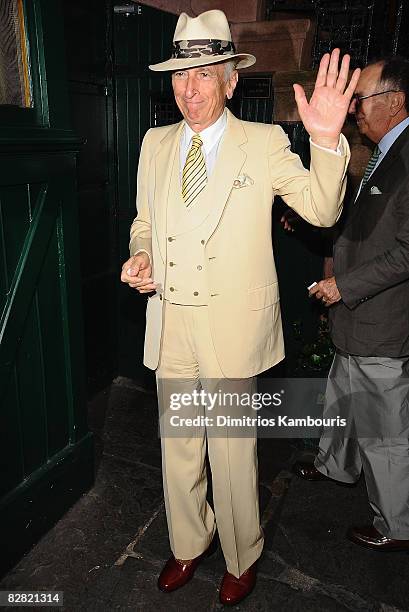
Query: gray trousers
point(371, 394)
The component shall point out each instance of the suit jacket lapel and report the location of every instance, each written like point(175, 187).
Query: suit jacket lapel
point(165, 157)
point(230, 159)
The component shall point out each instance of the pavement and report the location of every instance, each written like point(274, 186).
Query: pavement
point(107, 550)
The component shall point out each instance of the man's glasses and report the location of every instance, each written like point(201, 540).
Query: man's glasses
point(358, 99)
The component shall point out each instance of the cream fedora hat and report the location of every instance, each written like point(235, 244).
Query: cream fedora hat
point(203, 40)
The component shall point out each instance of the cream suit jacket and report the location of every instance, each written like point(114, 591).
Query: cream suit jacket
point(254, 164)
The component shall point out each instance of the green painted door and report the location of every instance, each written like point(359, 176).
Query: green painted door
point(46, 451)
point(143, 99)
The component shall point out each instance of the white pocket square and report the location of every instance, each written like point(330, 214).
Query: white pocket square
point(375, 191)
point(243, 180)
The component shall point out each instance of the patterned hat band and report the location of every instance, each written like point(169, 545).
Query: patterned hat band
point(197, 48)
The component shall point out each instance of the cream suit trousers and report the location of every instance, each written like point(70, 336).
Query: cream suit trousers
point(187, 363)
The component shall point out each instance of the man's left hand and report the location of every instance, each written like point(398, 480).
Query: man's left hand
point(324, 115)
point(327, 291)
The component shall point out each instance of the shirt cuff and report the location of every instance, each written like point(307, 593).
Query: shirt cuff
point(339, 150)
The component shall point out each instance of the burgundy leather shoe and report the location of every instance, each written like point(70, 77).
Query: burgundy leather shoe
point(308, 471)
point(177, 573)
point(370, 537)
point(233, 589)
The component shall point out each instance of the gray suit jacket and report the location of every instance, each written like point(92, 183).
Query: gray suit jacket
point(371, 263)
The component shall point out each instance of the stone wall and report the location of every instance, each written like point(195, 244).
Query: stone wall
point(277, 45)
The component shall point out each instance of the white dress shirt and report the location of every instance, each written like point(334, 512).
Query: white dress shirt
point(211, 137)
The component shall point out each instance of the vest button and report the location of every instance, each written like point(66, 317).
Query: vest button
point(171, 263)
point(202, 241)
point(199, 267)
point(171, 288)
point(195, 293)
point(170, 239)
point(160, 297)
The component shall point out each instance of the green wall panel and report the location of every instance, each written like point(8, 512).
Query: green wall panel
point(31, 393)
point(53, 356)
point(11, 443)
point(15, 218)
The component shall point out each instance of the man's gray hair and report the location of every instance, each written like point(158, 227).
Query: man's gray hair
point(229, 68)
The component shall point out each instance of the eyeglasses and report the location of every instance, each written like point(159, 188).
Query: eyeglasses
point(358, 99)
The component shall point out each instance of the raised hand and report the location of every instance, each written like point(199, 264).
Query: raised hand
point(324, 115)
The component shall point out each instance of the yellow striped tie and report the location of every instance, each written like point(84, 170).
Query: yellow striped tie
point(194, 177)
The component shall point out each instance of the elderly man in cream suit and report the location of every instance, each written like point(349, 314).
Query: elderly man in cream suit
point(202, 242)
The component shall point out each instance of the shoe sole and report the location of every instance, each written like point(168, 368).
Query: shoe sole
point(374, 548)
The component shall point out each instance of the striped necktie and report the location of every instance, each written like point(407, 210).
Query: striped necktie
point(194, 177)
point(371, 165)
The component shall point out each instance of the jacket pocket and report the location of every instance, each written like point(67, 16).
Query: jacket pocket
point(262, 297)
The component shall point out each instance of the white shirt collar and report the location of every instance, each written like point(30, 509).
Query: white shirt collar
point(210, 136)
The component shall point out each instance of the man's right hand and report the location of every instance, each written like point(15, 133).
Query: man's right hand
point(289, 219)
point(137, 271)
point(327, 291)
